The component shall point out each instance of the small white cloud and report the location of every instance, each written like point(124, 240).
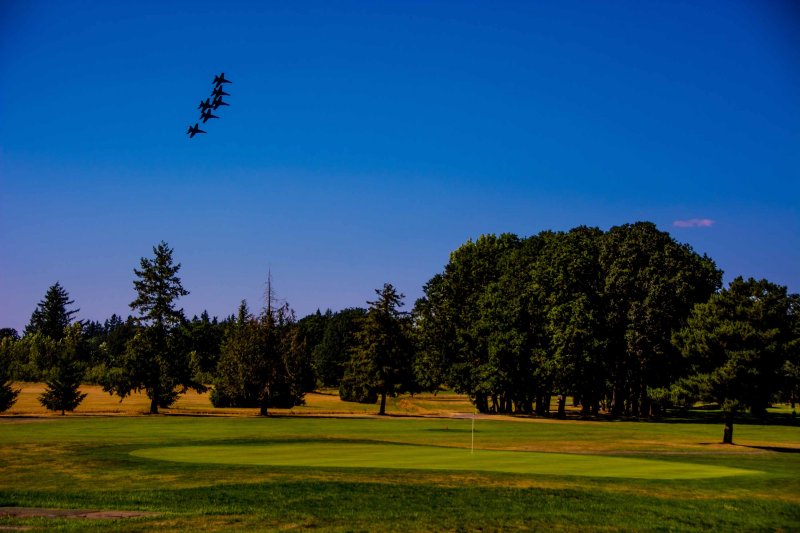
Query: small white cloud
point(694, 223)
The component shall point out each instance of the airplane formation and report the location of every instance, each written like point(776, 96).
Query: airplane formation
point(212, 103)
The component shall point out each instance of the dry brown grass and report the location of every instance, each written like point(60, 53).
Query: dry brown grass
point(320, 403)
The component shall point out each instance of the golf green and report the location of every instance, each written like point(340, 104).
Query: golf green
point(343, 454)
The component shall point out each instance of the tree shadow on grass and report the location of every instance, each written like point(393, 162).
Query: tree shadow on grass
point(779, 449)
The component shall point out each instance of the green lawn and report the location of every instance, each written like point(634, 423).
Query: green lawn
point(346, 454)
point(400, 474)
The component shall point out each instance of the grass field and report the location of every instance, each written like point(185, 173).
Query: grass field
point(396, 473)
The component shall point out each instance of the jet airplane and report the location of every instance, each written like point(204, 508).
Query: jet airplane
point(219, 80)
point(219, 92)
point(205, 115)
point(194, 130)
point(204, 106)
point(218, 102)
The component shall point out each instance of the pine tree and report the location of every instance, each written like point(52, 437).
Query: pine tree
point(382, 362)
point(8, 395)
point(263, 359)
point(51, 315)
point(64, 379)
point(737, 344)
point(157, 359)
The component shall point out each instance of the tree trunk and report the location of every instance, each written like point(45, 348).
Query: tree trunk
point(727, 437)
point(617, 406)
point(540, 410)
point(644, 406)
point(562, 407)
point(263, 409)
point(383, 403)
point(481, 404)
point(154, 400)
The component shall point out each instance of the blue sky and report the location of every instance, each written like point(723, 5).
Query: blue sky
point(367, 140)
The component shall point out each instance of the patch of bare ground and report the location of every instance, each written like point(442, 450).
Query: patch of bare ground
point(39, 512)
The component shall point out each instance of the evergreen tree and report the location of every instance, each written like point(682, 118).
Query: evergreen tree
point(64, 378)
point(8, 333)
point(382, 361)
point(156, 359)
point(241, 364)
point(332, 352)
point(737, 344)
point(263, 361)
point(51, 316)
point(8, 395)
point(206, 337)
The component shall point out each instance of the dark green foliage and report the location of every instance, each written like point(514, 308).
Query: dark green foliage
point(8, 394)
point(381, 363)
point(651, 283)
point(205, 337)
point(790, 387)
point(737, 344)
point(157, 358)
point(567, 283)
point(263, 361)
point(64, 378)
point(332, 352)
point(356, 384)
point(51, 316)
point(459, 311)
point(9, 333)
point(512, 321)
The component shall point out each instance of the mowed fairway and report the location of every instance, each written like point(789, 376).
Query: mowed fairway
point(326, 454)
point(397, 473)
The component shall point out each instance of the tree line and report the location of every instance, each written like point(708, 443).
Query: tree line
point(629, 322)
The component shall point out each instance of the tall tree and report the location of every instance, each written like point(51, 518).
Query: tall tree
point(8, 394)
point(791, 368)
point(382, 360)
point(156, 360)
point(737, 343)
point(263, 360)
point(567, 280)
point(51, 316)
point(456, 314)
point(64, 378)
point(651, 283)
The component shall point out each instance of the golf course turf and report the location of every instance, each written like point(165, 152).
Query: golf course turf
point(327, 454)
point(396, 473)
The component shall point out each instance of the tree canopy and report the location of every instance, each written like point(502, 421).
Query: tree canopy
point(381, 362)
point(737, 343)
point(51, 316)
point(156, 359)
